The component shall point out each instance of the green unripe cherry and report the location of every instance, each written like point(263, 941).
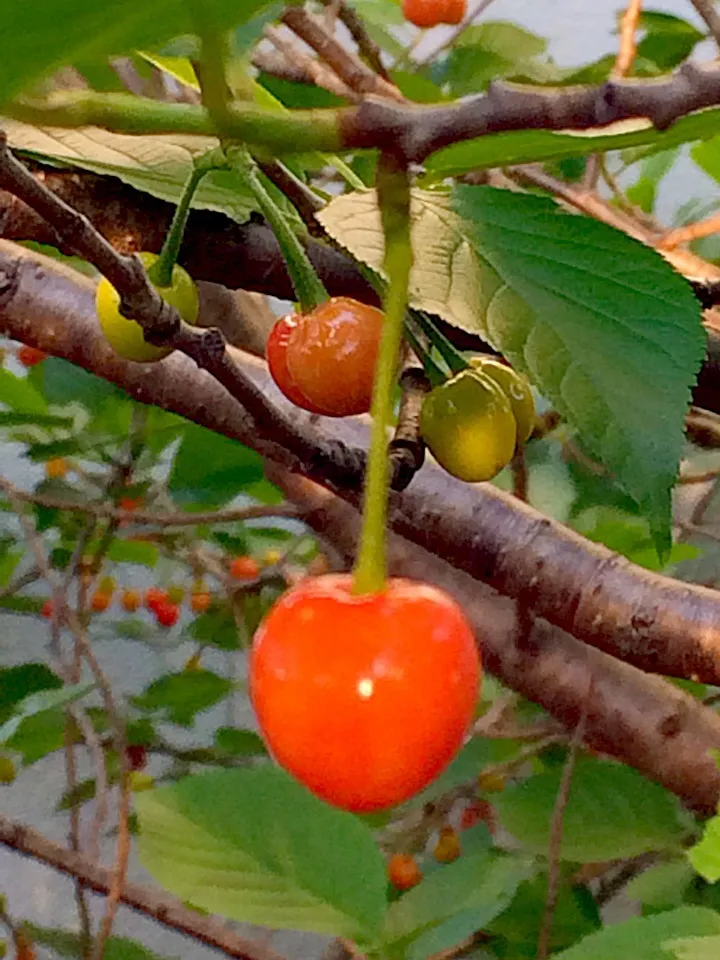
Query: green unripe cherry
point(468, 426)
point(126, 336)
point(518, 392)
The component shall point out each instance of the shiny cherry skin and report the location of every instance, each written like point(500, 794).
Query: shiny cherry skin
point(364, 699)
point(331, 355)
point(126, 336)
point(517, 389)
point(429, 13)
point(276, 356)
point(468, 426)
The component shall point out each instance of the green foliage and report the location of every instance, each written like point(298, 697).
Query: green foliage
point(646, 938)
point(612, 812)
point(705, 855)
point(452, 903)
point(183, 695)
point(256, 847)
point(550, 292)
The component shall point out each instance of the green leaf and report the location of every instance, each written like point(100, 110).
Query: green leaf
point(452, 903)
point(156, 165)
point(211, 469)
point(42, 702)
point(705, 855)
point(652, 170)
point(695, 948)
point(254, 846)
point(134, 551)
point(48, 34)
point(602, 324)
point(489, 51)
point(20, 395)
point(534, 146)
point(66, 944)
point(216, 628)
point(239, 743)
point(612, 813)
point(64, 383)
point(576, 915)
point(16, 683)
point(668, 40)
point(663, 885)
point(645, 938)
point(183, 695)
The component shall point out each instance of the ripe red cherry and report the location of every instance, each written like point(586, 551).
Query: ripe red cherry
point(364, 699)
point(403, 871)
point(324, 360)
point(30, 356)
point(166, 614)
point(429, 13)
point(276, 355)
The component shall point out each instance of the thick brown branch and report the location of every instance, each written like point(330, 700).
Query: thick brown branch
point(657, 623)
point(642, 720)
point(166, 910)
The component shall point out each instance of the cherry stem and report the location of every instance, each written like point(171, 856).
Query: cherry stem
point(393, 186)
point(161, 271)
point(308, 287)
point(447, 350)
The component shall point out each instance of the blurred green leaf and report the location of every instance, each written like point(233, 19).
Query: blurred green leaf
point(17, 683)
point(612, 813)
point(452, 903)
point(212, 469)
point(239, 743)
point(705, 855)
point(134, 551)
point(183, 695)
point(645, 938)
point(256, 847)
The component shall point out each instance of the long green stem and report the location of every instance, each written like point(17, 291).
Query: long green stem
point(394, 196)
point(161, 271)
point(308, 287)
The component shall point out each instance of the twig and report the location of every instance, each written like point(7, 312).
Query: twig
point(161, 518)
point(346, 64)
point(369, 50)
point(166, 910)
point(706, 9)
point(407, 450)
point(122, 857)
point(693, 231)
point(312, 70)
point(520, 475)
point(628, 27)
point(556, 832)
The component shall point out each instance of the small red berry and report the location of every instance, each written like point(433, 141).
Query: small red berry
point(244, 568)
point(199, 602)
point(403, 871)
point(167, 614)
point(56, 468)
point(130, 601)
point(47, 610)
point(100, 601)
point(429, 13)
point(136, 755)
point(30, 356)
point(155, 596)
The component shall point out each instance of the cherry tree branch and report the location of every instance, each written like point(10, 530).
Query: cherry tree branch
point(166, 910)
point(411, 131)
point(659, 624)
point(644, 721)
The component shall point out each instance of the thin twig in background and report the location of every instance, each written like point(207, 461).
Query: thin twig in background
point(452, 37)
point(166, 910)
point(628, 29)
point(122, 857)
point(520, 475)
point(706, 9)
point(346, 64)
point(368, 49)
point(556, 832)
point(693, 231)
point(314, 70)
